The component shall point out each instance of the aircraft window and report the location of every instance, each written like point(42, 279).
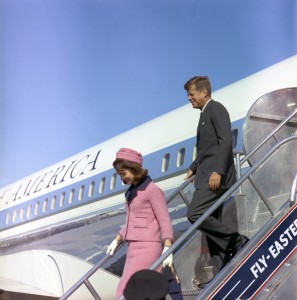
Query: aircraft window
point(36, 208)
point(81, 192)
point(180, 157)
point(14, 216)
point(71, 197)
point(165, 162)
point(29, 211)
point(194, 153)
point(22, 214)
point(7, 218)
point(91, 189)
point(113, 181)
point(62, 199)
point(44, 207)
point(234, 137)
point(102, 184)
point(54, 198)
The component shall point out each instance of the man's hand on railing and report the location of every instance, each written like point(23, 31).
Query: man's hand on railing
point(111, 248)
point(189, 174)
point(168, 260)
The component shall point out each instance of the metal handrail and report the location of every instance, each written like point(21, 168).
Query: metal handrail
point(239, 162)
point(84, 279)
point(259, 145)
point(219, 202)
point(187, 233)
point(179, 189)
point(293, 196)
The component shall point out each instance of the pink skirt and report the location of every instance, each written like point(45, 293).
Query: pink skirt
point(140, 255)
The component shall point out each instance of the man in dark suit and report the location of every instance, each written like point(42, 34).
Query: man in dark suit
point(214, 171)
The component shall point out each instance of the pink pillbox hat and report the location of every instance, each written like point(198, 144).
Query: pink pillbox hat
point(130, 154)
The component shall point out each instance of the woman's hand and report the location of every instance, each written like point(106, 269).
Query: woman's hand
point(168, 260)
point(111, 248)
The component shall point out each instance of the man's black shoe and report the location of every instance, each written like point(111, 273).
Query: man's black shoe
point(239, 245)
point(243, 240)
point(227, 258)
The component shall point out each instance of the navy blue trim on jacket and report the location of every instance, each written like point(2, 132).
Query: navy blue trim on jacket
point(141, 186)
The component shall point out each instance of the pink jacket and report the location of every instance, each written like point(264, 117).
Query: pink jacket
point(147, 217)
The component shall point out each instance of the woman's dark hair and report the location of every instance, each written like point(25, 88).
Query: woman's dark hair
point(138, 172)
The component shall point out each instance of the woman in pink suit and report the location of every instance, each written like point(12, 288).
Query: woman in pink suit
point(148, 230)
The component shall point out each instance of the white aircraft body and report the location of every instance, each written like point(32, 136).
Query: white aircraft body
point(55, 224)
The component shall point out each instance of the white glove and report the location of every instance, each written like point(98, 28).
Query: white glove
point(168, 260)
point(112, 247)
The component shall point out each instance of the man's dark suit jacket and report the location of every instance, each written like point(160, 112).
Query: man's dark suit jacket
point(214, 147)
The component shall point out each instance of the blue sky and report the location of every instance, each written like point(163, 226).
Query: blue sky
point(77, 72)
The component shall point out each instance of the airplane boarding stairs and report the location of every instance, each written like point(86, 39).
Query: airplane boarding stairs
point(260, 205)
point(271, 224)
point(265, 227)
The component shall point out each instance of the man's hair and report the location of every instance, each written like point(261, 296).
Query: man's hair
point(200, 83)
point(123, 164)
